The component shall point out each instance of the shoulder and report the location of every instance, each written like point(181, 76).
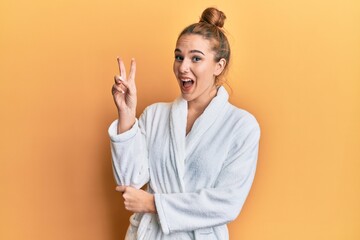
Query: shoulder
point(235, 117)
point(157, 108)
point(241, 117)
point(155, 113)
point(245, 130)
point(243, 124)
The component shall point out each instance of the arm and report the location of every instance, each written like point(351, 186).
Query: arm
point(128, 146)
point(213, 206)
point(129, 155)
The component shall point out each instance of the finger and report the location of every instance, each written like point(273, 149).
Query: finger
point(118, 61)
point(132, 69)
point(120, 188)
point(119, 80)
point(122, 69)
point(127, 206)
point(117, 88)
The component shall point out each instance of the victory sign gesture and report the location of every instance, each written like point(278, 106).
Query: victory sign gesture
point(124, 94)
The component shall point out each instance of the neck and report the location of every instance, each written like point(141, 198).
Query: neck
point(198, 105)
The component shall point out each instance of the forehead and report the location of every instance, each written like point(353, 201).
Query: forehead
point(190, 42)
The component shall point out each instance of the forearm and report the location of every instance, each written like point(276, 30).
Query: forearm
point(126, 120)
point(207, 207)
point(191, 211)
point(129, 156)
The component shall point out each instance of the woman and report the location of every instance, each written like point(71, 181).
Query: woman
point(197, 155)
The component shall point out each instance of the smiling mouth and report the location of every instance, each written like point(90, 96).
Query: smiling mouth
point(187, 83)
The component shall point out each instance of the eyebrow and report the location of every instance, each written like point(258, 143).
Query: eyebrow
point(191, 51)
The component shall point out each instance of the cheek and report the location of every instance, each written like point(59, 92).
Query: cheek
point(204, 73)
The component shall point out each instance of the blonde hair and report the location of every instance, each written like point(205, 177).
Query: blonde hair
point(210, 27)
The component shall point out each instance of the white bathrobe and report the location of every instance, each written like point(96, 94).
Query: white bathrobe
point(200, 181)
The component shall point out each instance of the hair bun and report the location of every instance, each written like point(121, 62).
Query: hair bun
point(213, 16)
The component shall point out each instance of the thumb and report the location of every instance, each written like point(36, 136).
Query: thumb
point(120, 188)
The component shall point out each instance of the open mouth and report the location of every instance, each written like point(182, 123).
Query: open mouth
point(187, 83)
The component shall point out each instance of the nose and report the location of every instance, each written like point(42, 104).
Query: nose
point(184, 66)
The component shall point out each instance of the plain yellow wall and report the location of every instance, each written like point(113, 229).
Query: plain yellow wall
point(296, 67)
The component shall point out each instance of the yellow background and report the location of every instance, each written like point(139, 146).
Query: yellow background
point(296, 67)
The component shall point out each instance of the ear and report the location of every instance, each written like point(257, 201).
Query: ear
point(220, 65)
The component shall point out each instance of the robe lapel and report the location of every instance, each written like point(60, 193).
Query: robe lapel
point(182, 145)
point(178, 118)
point(215, 110)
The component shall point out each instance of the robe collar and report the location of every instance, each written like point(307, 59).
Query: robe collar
point(181, 145)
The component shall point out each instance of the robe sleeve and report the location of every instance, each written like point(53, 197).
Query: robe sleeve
point(215, 206)
point(129, 154)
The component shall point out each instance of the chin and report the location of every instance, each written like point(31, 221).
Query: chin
point(187, 96)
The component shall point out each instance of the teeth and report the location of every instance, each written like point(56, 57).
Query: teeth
point(186, 80)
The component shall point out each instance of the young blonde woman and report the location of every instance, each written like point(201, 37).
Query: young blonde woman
point(197, 155)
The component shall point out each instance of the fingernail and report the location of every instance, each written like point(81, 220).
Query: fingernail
point(120, 78)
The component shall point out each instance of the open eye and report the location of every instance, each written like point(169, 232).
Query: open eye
point(179, 58)
point(196, 59)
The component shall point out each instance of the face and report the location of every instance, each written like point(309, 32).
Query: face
point(195, 68)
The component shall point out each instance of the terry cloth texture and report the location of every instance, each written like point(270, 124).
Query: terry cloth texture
point(201, 180)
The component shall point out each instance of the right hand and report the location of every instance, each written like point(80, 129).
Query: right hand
point(124, 89)
point(137, 200)
point(124, 95)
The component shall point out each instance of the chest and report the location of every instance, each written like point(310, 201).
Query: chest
point(203, 157)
